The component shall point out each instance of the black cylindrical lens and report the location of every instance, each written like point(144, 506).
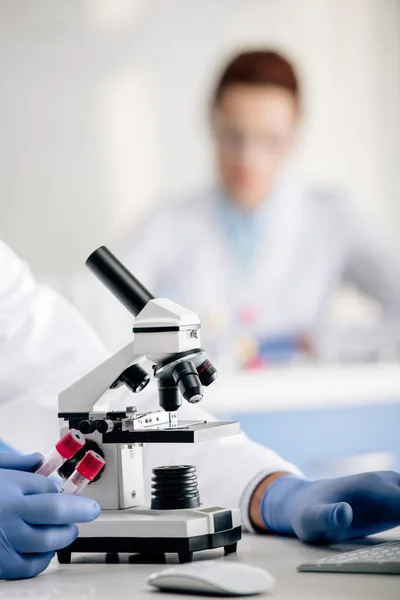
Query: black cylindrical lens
point(207, 373)
point(174, 487)
point(168, 396)
point(134, 377)
point(116, 277)
point(187, 379)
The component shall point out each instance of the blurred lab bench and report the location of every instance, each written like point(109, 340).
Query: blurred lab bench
point(328, 419)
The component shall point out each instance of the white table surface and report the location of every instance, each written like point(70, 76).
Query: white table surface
point(89, 578)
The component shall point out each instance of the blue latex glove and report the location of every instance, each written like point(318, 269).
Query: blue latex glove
point(5, 447)
point(35, 520)
point(331, 510)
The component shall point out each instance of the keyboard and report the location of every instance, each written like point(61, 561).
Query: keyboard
point(382, 559)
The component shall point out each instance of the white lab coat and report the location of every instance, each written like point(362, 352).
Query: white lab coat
point(45, 345)
point(313, 242)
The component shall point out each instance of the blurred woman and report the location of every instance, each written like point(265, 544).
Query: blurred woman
point(260, 255)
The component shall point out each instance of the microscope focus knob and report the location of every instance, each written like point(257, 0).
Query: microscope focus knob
point(87, 426)
point(108, 425)
point(104, 425)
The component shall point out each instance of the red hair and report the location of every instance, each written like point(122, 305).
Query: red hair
point(258, 68)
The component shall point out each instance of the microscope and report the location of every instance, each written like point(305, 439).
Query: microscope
point(168, 336)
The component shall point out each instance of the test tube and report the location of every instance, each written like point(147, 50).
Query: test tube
point(86, 470)
point(65, 449)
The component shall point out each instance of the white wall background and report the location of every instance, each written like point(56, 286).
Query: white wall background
point(102, 108)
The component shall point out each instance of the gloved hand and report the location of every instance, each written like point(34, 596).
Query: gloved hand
point(35, 520)
point(331, 510)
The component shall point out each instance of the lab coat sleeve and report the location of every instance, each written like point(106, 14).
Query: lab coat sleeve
point(374, 269)
point(44, 346)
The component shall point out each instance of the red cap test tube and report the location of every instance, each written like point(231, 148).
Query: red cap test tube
point(86, 470)
point(65, 449)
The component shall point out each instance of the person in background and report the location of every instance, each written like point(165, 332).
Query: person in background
point(260, 255)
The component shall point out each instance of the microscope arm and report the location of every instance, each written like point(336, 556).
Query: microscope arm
point(82, 395)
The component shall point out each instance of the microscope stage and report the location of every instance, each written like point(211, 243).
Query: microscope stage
point(186, 432)
point(142, 530)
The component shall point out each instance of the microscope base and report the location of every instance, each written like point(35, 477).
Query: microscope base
point(151, 532)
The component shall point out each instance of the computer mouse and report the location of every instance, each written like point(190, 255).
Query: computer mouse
point(211, 577)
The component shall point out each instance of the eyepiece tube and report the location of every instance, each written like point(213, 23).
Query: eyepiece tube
point(116, 277)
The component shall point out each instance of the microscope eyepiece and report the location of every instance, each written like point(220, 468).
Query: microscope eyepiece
point(116, 277)
point(188, 381)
